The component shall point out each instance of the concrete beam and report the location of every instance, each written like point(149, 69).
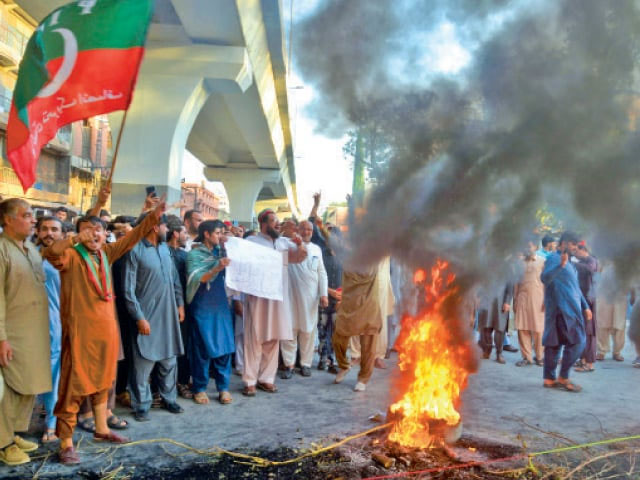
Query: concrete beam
point(227, 68)
point(242, 186)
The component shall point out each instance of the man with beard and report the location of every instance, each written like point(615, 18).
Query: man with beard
point(24, 330)
point(177, 240)
point(309, 286)
point(90, 338)
point(155, 302)
point(564, 307)
point(192, 219)
point(49, 231)
point(267, 322)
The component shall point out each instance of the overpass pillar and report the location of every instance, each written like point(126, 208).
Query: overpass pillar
point(243, 186)
point(158, 124)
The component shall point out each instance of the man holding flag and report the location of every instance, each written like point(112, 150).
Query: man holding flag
point(82, 61)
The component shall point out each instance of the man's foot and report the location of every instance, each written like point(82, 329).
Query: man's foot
point(25, 445)
point(286, 374)
point(636, 362)
point(550, 384)
point(355, 360)
point(486, 355)
point(305, 371)
point(540, 363)
point(524, 363)
point(13, 455)
point(225, 398)
point(117, 423)
point(201, 398)
point(380, 363)
point(509, 348)
point(141, 416)
point(600, 357)
point(184, 391)
point(124, 399)
point(172, 407)
point(360, 387)
point(333, 369)
point(618, 358)
point(87, 424)
point(267, 387)
point(568, 386)
point(68, 456)
point(322, 365)
point(110, 437)
point(249, 391)
point(157, 401)
point(341, 374)
point(49, 436)
point(500, 359)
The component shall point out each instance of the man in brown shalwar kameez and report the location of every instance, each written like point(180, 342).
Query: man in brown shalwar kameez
point(90, 335)
point(24, 330)
point(359, 315)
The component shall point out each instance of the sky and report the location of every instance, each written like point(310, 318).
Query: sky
point(320, 163)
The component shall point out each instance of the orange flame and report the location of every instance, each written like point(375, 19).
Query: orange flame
point(433, 361)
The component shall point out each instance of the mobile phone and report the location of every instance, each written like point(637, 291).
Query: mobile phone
point(151, 190)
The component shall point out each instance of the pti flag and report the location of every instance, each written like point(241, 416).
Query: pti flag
point(81, 61)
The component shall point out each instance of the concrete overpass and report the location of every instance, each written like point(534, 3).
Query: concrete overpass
point(213, 81)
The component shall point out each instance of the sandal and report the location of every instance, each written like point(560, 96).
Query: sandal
point(267, 387)
point(117, 423)
point(49, 436)
point(201, 398)
point(551, 385)
point(523, 363)
point(249, 391)
point(584, 368)
point(184, 391)
point(87, 424)
point(225, 398)
point(569, 387)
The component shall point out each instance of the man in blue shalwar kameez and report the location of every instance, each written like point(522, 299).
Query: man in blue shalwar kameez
point(564, 308)
point(211, 332)
point(49, 230)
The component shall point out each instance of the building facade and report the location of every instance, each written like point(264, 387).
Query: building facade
point(197, 197)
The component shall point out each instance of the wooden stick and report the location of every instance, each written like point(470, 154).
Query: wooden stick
point(115, 154)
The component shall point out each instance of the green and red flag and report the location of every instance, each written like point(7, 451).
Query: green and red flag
point(82, 61)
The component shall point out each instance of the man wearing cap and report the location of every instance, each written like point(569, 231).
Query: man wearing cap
point(565, 313)
point(155, 302)
point(267, 322)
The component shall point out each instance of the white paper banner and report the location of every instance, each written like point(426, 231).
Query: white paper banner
point(254, 269)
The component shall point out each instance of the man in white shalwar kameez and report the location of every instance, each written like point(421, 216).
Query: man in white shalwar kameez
point(308, 289)
point(267, 322)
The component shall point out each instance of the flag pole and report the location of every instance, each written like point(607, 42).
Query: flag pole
point(115, 154)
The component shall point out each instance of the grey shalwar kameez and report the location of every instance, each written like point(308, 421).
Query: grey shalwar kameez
point(153, 292)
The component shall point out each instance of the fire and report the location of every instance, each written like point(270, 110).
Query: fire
point(433, 362)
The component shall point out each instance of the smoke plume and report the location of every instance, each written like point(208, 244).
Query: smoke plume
point(543, 113)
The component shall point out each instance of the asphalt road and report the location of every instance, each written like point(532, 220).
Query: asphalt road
point(502, 403)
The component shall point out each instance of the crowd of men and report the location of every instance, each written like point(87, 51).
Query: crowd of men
point(564, 317)
point(136, 311)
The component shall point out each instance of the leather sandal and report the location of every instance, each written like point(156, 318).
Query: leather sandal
point(68, 456)
point(201, 398)
point(267, 387)
point(110, 437)
point(249, 391)
point(225, 398)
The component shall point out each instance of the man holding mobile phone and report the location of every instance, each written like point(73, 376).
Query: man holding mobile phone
point(566, 311)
